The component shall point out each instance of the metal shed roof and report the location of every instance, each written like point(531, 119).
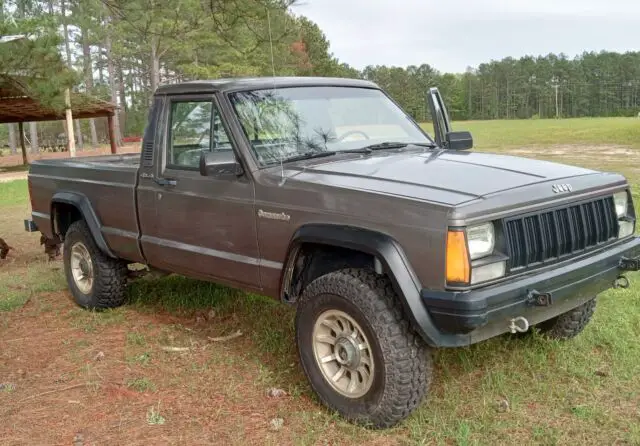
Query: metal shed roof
point(18, 105)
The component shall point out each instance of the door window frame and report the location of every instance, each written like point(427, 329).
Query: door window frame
point(166, 146)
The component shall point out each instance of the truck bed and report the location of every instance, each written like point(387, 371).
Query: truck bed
point(106, 182)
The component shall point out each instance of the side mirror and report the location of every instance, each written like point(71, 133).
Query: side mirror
point(459, 140)
point(222, 163)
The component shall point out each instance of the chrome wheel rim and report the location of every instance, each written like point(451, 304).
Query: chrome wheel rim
point(343, 353)
point(81, 267)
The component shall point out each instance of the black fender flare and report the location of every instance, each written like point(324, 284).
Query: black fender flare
point(387, 250)
point(82, 203)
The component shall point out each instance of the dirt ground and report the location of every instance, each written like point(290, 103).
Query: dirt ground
point(11, 176)
point(69, 374)
point(577, 151)
point(102, 381)
point(140, 375)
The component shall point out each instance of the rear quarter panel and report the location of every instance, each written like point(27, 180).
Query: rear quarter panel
point(109, 185)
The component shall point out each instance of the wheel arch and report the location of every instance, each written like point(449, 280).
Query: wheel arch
point(387, 255)
point(68, 207)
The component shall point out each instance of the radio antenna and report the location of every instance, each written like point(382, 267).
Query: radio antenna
point(273, 70)
point(273, 63)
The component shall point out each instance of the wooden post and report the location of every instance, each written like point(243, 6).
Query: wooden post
point(70, 135)
point(23, 147)
point(112, 135)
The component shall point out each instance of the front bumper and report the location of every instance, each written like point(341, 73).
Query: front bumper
point(473, 316)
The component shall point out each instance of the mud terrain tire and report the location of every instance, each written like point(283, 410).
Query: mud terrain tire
point(350, 301)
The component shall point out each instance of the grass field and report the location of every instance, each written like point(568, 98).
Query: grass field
point(506, 135)
point(110, 378)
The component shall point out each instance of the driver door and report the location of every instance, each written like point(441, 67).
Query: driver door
point(205, 226)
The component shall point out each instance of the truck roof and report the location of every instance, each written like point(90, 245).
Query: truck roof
point(257, 83)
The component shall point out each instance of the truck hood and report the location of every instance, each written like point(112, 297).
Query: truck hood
point(449, 178)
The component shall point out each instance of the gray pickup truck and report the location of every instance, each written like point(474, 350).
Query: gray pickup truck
point(324, 194)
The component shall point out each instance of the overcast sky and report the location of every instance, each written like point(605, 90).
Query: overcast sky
point(453, 34)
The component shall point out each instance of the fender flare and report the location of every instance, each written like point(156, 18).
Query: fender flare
point(82, 203)
point(387, 250)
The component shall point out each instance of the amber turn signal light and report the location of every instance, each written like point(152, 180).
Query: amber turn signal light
point(458, 269)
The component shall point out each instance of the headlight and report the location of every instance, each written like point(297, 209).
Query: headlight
point(621, 200)
point(625, 224)
point(465, 245)
point(481, 240)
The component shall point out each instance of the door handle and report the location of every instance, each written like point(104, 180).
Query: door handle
point(165, 181)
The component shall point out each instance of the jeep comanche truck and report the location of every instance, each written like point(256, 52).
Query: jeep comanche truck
point(323, 193)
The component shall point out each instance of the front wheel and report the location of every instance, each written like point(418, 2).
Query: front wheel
point(360, 354)
point(568, 325)
point(95, 280)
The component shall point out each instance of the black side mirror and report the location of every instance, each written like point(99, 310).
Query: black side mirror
point(459, 140)
point(222, 163)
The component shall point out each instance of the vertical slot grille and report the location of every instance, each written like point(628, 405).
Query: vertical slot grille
point(549, 235)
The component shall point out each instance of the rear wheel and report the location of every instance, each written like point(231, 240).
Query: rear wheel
point(360, 354)
point(95, 280)
point(568, 325)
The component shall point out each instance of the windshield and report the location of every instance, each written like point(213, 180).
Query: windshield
point(288, 122)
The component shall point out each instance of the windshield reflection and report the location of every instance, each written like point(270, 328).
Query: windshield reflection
point(291, 122)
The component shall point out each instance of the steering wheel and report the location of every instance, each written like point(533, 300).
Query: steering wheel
point(353, 132)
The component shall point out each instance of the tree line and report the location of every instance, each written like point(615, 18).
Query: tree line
point(591, 84)
point(121, 50)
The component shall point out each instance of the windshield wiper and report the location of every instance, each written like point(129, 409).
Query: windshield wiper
point(397, 145)
point(308, 156)
point(358, 150)
point(366, 149)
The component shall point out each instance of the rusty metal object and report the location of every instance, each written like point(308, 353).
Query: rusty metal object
point(51, 246)
point(4, 249)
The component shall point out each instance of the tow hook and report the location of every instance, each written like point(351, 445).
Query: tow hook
point(539, 299)
point(627, 264)
point(621, 282)
point(518, 325)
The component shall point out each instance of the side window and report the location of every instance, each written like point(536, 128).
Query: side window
point(190, 133)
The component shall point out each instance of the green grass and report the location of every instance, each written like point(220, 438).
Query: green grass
point(19, 286)
point(183, 296)
point(141, 384)
point(154, 417)
point(555, 389)
point(134, 338)
point(551, 386)
point(505, 135)
point(13, 193)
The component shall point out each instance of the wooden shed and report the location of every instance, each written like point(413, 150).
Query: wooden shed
point(17, 105)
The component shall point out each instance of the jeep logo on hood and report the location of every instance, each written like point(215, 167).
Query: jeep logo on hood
point(558, 188)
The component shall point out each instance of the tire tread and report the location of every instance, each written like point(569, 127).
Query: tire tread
point(110, 280)
point(568, 325)
point(407, 359)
